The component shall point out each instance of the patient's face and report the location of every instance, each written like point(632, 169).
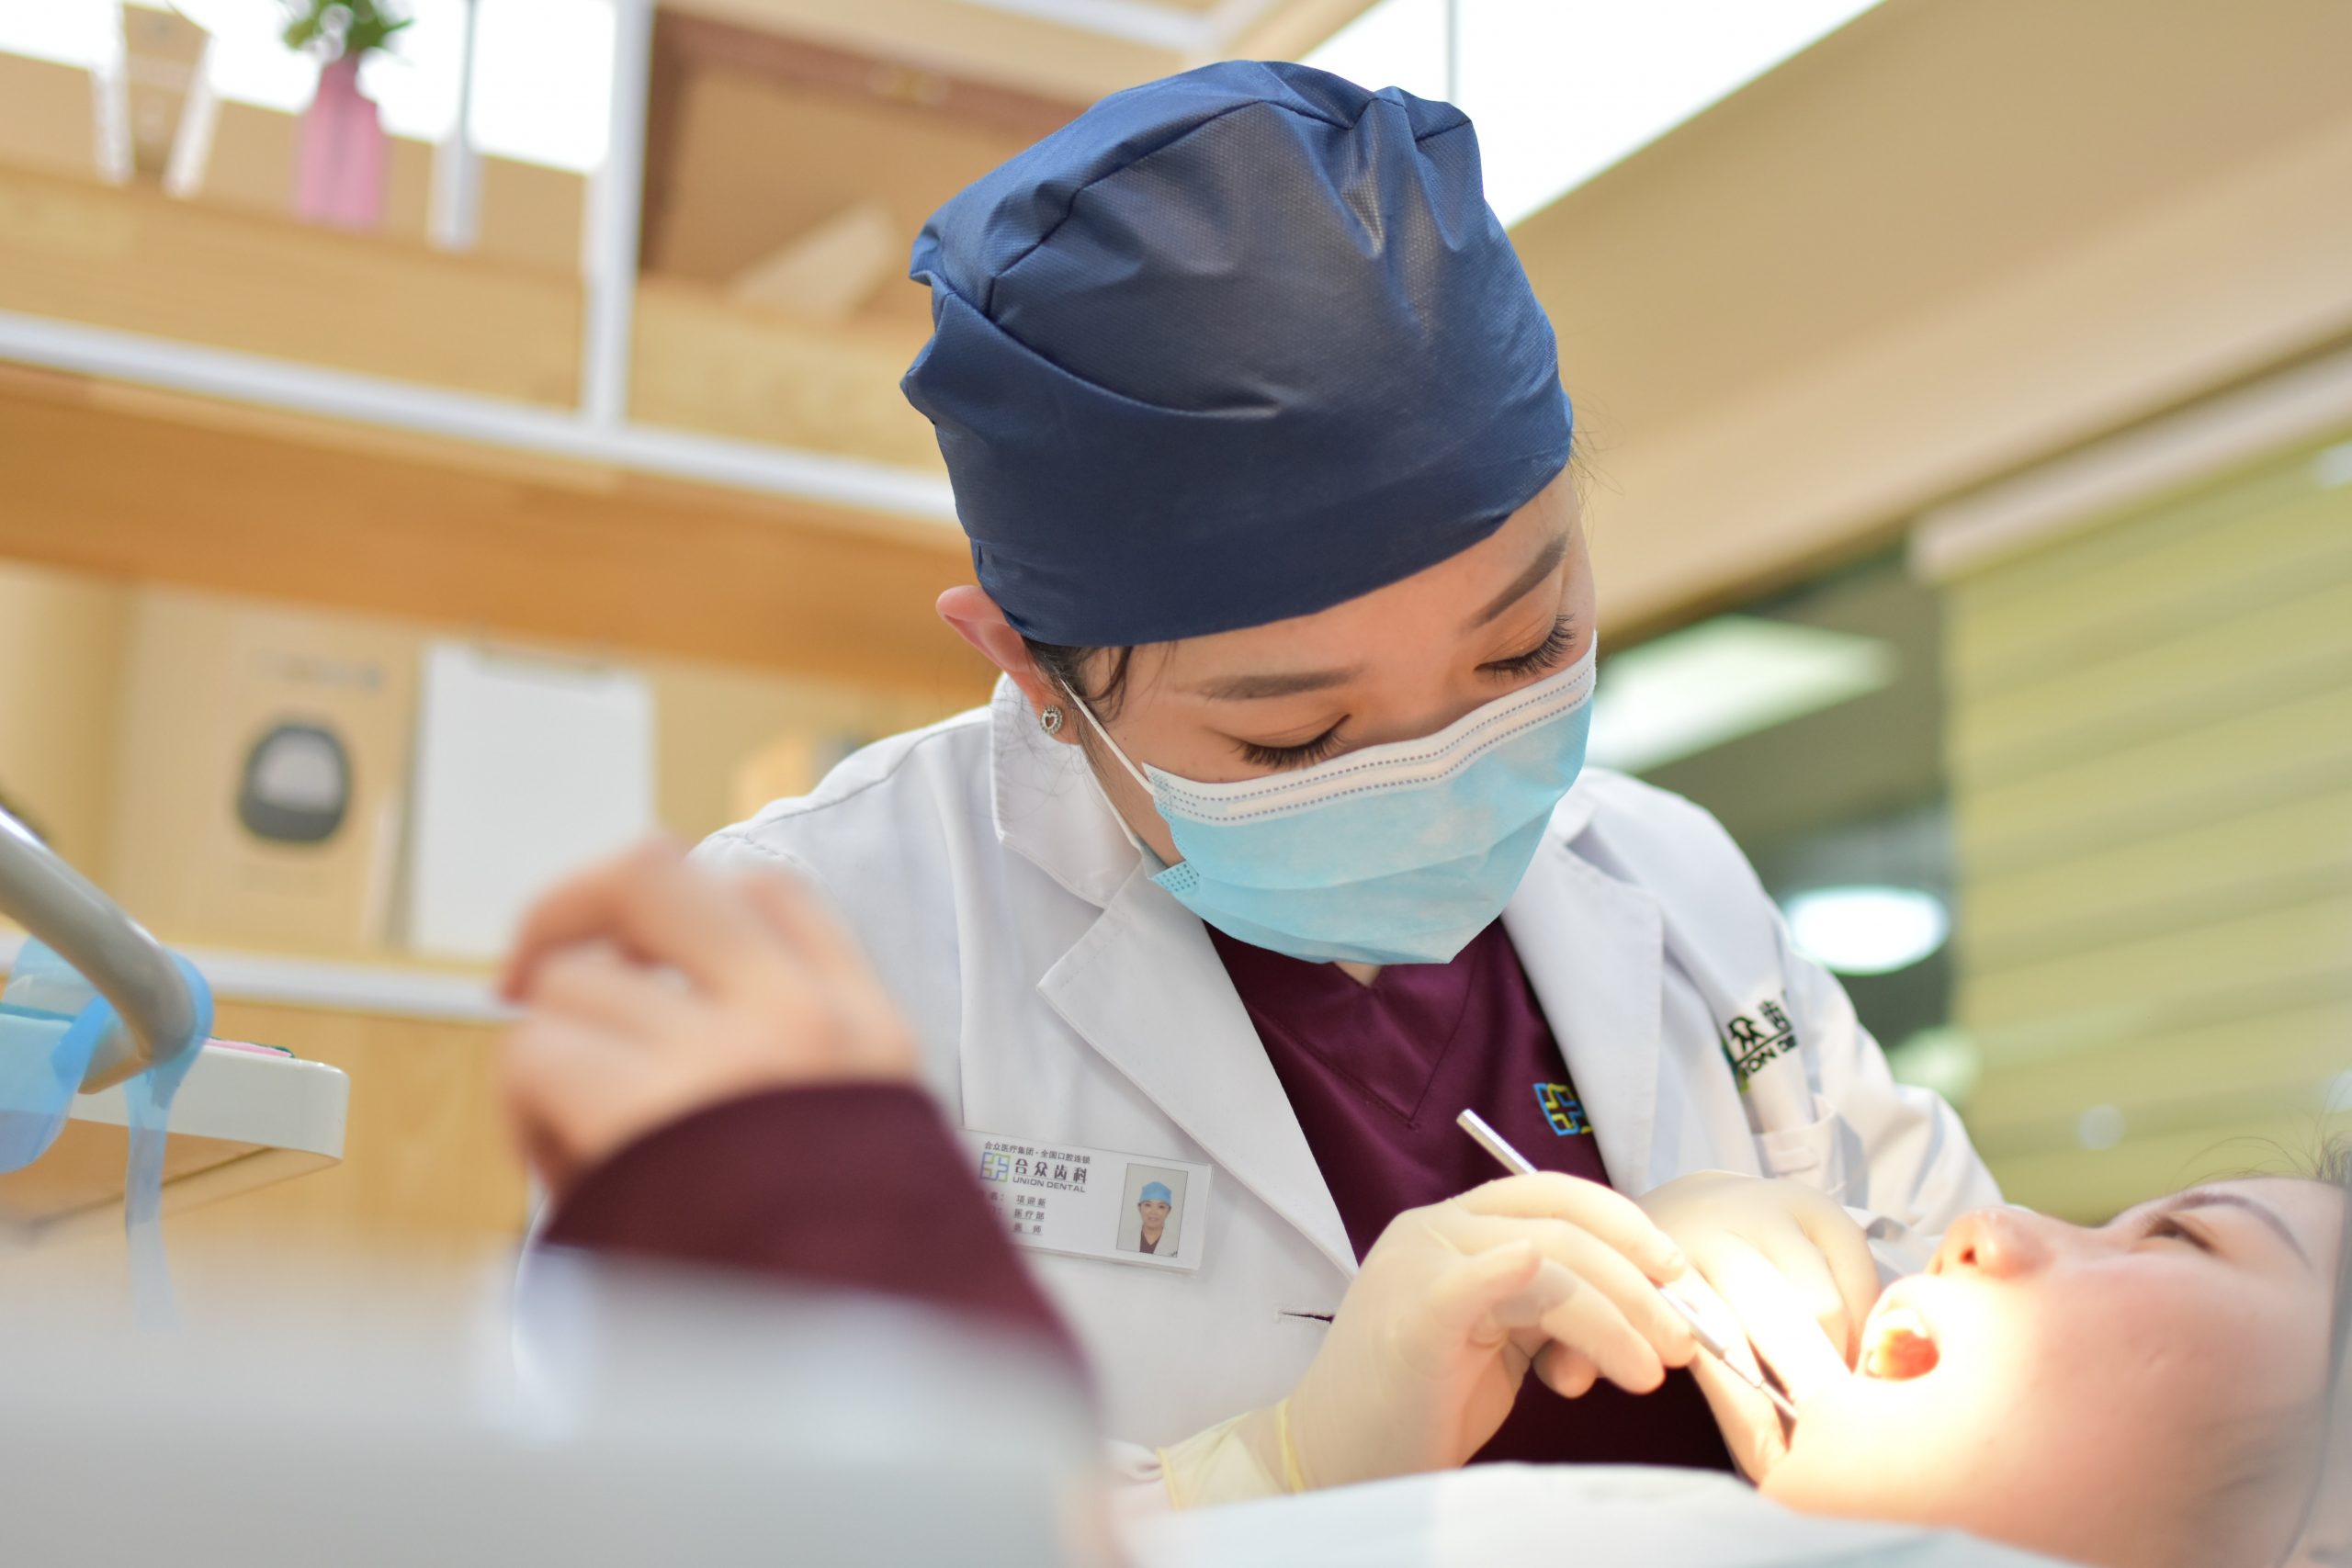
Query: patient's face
point(2055, 1386)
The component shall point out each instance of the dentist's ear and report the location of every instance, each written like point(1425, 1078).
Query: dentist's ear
point(981, 622)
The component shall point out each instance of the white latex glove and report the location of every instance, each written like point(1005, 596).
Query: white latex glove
point(1429, 1348)
point(1794, 1270)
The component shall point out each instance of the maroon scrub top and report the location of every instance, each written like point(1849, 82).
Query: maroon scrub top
point(1376, 1074)
point(785, 1183)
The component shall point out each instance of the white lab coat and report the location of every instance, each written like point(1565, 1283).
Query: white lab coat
point(1060, 994)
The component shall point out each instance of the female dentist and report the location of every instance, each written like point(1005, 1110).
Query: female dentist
point(1274, 850)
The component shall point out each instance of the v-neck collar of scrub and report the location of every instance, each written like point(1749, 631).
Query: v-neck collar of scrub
point(1366, 1034)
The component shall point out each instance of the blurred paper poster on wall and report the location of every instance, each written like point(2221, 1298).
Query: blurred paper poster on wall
point(260, 772)
point(527, 768)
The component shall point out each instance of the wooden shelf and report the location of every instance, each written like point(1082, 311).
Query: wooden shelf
point(161, 487)
point(256, 494)
point(701, 362)
point(137, 261)
point(382, 305)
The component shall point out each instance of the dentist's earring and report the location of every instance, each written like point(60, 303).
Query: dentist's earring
point(1050, 721)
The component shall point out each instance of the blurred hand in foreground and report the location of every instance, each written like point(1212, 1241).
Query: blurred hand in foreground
point(654, 987)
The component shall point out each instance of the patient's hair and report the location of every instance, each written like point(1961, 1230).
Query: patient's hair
point(2282, 1460)
point(2326, 1532)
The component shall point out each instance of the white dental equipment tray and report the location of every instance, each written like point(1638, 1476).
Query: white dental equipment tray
point(242, 1120)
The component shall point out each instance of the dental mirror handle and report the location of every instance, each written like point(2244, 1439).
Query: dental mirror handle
point(1510, 1159)
point(1712, 1343)
point(1518, 1164)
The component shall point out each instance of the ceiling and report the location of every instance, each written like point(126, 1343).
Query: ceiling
point(771, 123)
point(1841, 294)
point(1073, 48)
point(1923, 148)
point(746, 144)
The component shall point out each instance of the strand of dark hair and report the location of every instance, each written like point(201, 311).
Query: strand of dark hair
point(1066, 666)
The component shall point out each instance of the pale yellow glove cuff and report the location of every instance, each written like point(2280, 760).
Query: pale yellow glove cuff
point(1234, 1461)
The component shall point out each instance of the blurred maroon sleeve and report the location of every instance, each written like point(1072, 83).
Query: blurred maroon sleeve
point(857, 1186)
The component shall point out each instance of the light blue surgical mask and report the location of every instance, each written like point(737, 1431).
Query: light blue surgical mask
point(1394, 855)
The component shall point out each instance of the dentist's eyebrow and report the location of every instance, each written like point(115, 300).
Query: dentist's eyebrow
point(1290, 683)
point(2187, 1201)
point(1283, 683)
point(1547, 561)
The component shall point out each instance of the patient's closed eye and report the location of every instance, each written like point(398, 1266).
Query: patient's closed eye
point(2199, 1233)
point(2165, 1227)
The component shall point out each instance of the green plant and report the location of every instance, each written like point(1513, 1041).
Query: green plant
point(334, 29)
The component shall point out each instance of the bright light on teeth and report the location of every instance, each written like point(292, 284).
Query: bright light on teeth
point(1899, 1346)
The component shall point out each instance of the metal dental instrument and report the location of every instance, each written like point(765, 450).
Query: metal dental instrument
point(1685, 1308)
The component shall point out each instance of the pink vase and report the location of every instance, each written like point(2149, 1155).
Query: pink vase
point(340, 175)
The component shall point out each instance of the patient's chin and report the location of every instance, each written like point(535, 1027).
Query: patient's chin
point(1891, 1449)
point(1867, 1448)
point(1906, 1445)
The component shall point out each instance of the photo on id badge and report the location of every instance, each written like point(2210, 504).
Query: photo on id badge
point(1152, 1212)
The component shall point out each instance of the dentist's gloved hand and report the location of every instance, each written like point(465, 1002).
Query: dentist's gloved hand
point(1428, 1351)
point(1793, 1269)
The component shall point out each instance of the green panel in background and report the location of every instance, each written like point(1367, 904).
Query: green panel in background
point(2150, 736)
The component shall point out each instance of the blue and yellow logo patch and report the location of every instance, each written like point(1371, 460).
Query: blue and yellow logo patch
point(1562, 1109)
point(995, 1167)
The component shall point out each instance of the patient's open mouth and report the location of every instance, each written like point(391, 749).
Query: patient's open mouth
point(1898, 1347)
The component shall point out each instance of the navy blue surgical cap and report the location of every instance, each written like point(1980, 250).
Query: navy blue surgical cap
point(1231, 347)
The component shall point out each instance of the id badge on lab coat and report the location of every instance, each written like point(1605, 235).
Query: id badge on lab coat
point(1100, 1203)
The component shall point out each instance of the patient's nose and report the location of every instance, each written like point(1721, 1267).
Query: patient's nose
point(2002, 1243)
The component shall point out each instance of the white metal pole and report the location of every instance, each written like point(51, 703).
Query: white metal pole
point(457, 167)
point(192, 139)
point(1454, 52)
point(111, 104)
point(613, 215)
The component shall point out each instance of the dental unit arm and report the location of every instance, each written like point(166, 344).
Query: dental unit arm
point(158, 1009)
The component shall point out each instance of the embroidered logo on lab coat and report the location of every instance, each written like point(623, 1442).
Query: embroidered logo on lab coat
point(1750, 1044)
point(1562, 1109)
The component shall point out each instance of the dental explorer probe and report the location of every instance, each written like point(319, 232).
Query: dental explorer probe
point(1685, 1308)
